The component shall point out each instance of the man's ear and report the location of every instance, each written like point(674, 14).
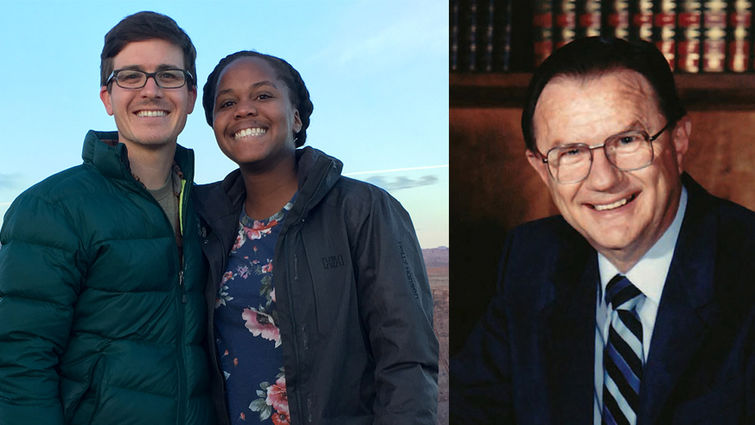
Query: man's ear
point(681, 135)
point(105, 97)
point(540, 167)
point(192, 99)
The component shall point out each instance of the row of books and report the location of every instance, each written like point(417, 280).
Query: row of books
point(480, 35)
point(694, 35)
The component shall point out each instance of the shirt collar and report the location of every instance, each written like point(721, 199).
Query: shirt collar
point(649, 274)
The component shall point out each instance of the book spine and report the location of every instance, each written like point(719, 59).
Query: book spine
point(564, 22)
point(738, 38)
point(453, 33)
point(664, 29)
point(641, 27)
point(472, 36)
point(542, 23)
point(488, 42)
point(713, 49)
point(688, 22)
point(588, 18)
point(616, 18)
point(502, 36)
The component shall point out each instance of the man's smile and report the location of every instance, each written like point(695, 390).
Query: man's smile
point(151, 113)
point(613, 205)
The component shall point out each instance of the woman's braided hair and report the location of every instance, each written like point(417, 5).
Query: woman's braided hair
point(284, 72)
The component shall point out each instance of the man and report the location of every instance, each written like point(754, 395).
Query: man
point(101, 275)
point(636, 305)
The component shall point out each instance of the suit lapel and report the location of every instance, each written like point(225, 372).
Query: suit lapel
point(569, 332)
point(683, 319)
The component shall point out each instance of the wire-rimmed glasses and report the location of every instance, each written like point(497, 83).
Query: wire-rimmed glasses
point(628, 151)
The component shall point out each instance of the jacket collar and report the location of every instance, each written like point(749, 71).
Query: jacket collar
point(101, 149)
point(317, 173)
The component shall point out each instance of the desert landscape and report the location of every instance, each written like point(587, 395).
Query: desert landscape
point(436, 261)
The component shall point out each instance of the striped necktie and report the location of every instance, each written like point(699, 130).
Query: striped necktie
point(623, 357)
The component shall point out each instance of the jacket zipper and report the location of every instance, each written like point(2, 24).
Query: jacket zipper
point(306, 416)
point(181, 363)
point(293, 320)
point(181, 402)
point(181, 314)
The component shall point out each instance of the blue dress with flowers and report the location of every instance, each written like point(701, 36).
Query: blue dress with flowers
point(246, 325)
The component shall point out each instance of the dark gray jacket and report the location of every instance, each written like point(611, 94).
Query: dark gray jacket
point(353, 299)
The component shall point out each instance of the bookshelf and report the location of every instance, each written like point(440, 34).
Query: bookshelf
point(695, 36)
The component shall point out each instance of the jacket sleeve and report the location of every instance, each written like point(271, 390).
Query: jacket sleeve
point(38, 285)
point(396, 307)
point(480, 375)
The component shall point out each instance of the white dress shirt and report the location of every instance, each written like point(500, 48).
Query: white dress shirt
point(649, 276)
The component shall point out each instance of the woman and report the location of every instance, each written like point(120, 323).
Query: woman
point(322, 309)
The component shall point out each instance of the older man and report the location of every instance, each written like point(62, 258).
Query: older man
point(636, 305)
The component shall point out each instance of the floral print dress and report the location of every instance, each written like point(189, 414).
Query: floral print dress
point(246, 324)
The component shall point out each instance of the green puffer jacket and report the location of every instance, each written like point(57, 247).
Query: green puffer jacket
point(99, 321)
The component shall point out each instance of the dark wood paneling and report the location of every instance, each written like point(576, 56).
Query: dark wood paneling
point(492, 189)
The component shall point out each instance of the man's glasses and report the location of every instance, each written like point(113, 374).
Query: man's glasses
point(627, 151)
point(136, 79)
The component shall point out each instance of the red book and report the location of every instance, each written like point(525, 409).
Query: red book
point(641, 27)
point(664, 29)
point(713, 38)
point(588, 18)
point(565, 22)
point(617, 18)
point(688, 22)
point(542, 23)
point(738, 39)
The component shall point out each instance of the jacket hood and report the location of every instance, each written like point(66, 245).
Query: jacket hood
point(317, 173)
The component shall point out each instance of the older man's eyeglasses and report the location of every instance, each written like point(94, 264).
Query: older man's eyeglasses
point(628, 151)
point(136, 79)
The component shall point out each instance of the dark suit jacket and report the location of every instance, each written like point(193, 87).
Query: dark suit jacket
point(531, 358)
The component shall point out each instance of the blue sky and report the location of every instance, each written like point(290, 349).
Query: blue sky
point(377, 71)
